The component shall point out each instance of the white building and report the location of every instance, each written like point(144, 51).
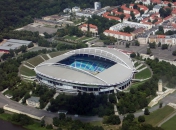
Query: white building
point(156, 8)
point(76, 9)
point(97, 5)
point(33, 102)
point(67, 10)
point(119, 35)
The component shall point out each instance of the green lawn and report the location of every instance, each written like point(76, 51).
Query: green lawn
point(35, 126)
point(83, 38)
point(36, 60)
point(10, 92)
point(54, 54)
point(45, 56)
point(170, 124)
point(157, 116)
point(26, 71)
point(5, 116)
point(71, 37)
point(106, 127)
point(143, 74)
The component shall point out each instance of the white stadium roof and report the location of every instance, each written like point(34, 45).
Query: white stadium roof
point(116, 74)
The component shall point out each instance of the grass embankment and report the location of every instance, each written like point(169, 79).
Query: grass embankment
point(141, 67)
point(45, 56)
point(135, 85)
point(106, 127)
point(143, 74)
point(136, 64)
point(34, 126)
point(26, 71)
point(54, 54)
point(157, 116)
point(35, 61)
point(170, 124)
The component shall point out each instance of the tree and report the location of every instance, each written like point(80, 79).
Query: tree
point(141, 12)
point(160, 105)
point(49, 127)
point(169, 4)
point(174, 53)
point(137, 43)
point(146, 111)
point(112, 119)
point(135, 6)
point(62, 116)
point(1, 110)
point(133, 55)
point(141, 119)
point(30, 45)
point(127, 45)
point(164, 46)
point(122, 16)
point(148, 51)
point(152, 45)
point(42, 123)
point(159, 44)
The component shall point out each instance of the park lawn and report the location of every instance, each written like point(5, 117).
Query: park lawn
point(170, 124)
point(83, 38)
point(157, 116)
point(143, 74)
point(135, 85)
point(5, 116)
point(10, 92)
point(27, 71)
point(45, 56)
point(71, 37)
point(35, 126)
point(35, 60)
point(105, 126)
point(54, 54)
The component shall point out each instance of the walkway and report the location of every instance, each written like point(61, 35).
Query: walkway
point(49, 56)
point(42, 57)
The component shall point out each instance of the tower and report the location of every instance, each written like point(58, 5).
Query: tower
point(160, 86)
point(97, 5)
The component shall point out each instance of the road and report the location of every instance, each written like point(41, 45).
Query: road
point(39, 112)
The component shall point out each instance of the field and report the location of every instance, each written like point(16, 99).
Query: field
point(35, 61)
point(157, 116)
point(143, 74)
point(26, 71)
point(170, 124)
point(106, 127)
point(141, 67)
point(54, 54)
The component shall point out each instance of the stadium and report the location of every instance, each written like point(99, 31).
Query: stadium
point(91, 70)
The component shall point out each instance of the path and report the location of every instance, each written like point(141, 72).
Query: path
point(42, 57)
point(49, 56)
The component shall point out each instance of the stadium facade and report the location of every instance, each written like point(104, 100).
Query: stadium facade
point(91, 70)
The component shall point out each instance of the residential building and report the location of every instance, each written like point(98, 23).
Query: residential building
point(119, 35)
point(156, 8)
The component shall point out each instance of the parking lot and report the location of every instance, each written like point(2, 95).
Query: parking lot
point(158, 52)
point(34, 27)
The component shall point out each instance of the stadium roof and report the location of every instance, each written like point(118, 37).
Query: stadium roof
point(116, 74)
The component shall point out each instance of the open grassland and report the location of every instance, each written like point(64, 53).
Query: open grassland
point(157, 116)
point(170, 124)
point(36, 60)
point(26, 71)
point(143, 74)
point(54, 54)
point(105, 126)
